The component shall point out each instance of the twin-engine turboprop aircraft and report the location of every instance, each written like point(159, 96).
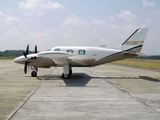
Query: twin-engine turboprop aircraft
point(76, 56)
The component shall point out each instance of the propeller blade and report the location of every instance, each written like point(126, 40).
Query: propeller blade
point(36, 49)
point(25, 67)
point(36, 52)
point(24, 54)
point(27, 50)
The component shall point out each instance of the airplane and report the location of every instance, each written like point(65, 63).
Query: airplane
point(81, 56)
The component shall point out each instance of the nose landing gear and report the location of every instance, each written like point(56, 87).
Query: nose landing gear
point(34, 73)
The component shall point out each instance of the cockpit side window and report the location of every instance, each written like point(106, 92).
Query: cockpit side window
point(70, 51)
point(81, 52)
point(57, 49)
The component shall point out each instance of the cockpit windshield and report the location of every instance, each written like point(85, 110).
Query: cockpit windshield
point(54, 49)
point(57, 49)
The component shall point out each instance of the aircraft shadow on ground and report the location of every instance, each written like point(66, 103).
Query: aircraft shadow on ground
point(82, 79)
point(76, 79)
point(150, 78)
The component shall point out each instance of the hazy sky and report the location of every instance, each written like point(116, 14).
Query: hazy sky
point(50, 23)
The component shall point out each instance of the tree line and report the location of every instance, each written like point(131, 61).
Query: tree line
point(12, 53)
point(150, 57)
point(16, 53)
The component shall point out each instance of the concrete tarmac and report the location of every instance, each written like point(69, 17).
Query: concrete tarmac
point(110, 91)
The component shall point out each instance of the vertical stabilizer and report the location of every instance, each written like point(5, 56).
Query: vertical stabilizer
point(135, 42)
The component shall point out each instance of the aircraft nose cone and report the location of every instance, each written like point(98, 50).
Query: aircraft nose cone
point(16, 60)
point(20, 60)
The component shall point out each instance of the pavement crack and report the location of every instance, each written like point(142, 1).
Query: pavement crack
point(128, 93)
point(25, 100)
point(145, 103)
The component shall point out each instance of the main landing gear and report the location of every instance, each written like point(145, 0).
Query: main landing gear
point(67, 72)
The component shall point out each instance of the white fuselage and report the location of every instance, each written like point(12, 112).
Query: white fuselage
point(76, 56)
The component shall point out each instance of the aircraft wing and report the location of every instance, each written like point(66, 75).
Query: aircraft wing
point(58, 57)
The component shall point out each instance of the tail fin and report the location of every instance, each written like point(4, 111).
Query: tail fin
point(135, 42)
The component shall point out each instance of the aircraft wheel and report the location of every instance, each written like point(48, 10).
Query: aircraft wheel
point(34, 74)
point(65, 76)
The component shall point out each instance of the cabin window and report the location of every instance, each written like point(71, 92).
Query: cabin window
point(81, 52)
point(57, 49)
point(70, 51)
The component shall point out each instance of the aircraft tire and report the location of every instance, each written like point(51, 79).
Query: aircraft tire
point(70, 72)
point(65, 76)
point(34, 74)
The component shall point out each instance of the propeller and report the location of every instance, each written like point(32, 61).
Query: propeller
point(26, 62)
point(35, 50)
point(25, 67)
point(25, 53)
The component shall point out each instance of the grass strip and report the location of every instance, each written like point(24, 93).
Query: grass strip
point(155, 64)
point(7, 58)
